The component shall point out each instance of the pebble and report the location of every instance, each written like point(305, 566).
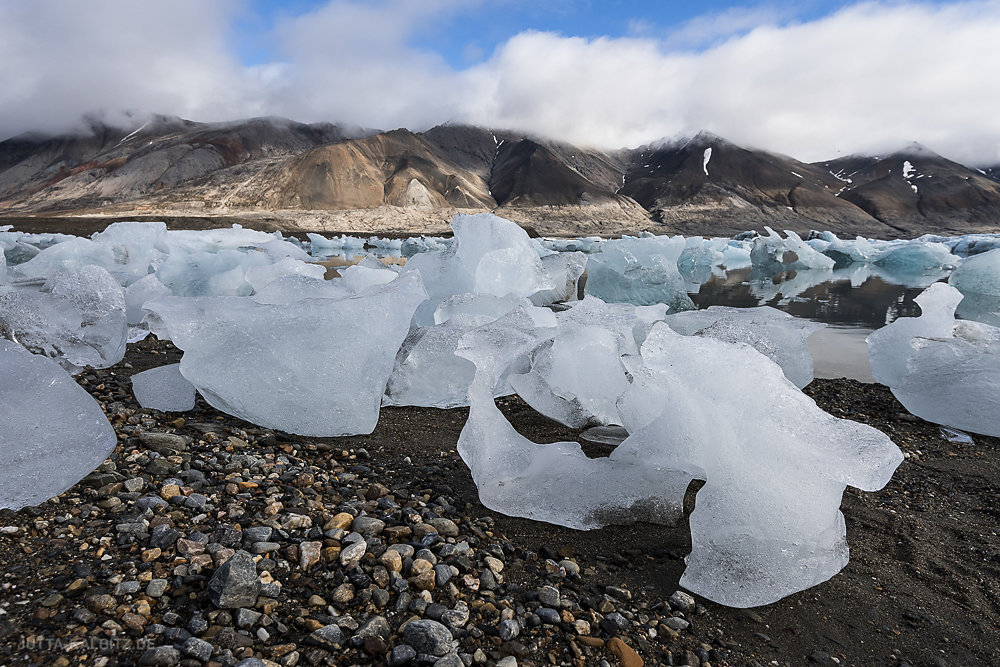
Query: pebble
point(619, 593)
point(391, 560)
point(235, 584)
point(627, 657)
point(197, 648)
point(156, 587)
point(368, 526)
point(549, 596)
point(427, 636)
point(508, 629)
point(682, 601)
point(160, 656)
point(550, 616)
point(352, 555)
point(402, 655)
point(676, 623)
point(329, 637)
point(309, 554)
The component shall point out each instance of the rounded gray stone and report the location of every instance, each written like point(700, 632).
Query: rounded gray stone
point(235, 583)
point(428, 636)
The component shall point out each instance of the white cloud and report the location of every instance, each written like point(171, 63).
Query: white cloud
point(60, 58)
point(708, 29)
point(870, 77)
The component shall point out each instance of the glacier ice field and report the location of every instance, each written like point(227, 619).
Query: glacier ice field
point(587, 331)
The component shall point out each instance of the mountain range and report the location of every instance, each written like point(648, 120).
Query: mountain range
point(277, 173)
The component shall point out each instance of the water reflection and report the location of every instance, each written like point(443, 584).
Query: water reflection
point(852, 296)
point(354, 255)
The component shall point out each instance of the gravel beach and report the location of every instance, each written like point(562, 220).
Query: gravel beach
point(205, 540)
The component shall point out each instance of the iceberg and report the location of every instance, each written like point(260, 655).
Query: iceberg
point(215, 262)
point(295, 287)
point(260, 277)
point(772, 253)
point(142, 290)
point(699, 262)
point(968, 245)
point(587, 244)
point(427, 371)
point(565, 269)
point(53, 432)
point(68, 256)
point(915, 262)
point(978, 279)
point(844, 252)
point(315, 367)
point(489, 255)
point(418, 244)
point(775, 334)
point(941, 369)
point(369, 272)
point(138, 248)
point(576, 378)
point(979, 274)
point(77, 318)
point(543, 482)
point(639, 271)
point(767, 522)
point(317, 241)
point(576, 374)
point(163, 388)
point(629, 323)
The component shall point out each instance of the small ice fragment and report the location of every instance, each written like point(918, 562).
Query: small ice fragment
point(954, 435)
point(163, 388)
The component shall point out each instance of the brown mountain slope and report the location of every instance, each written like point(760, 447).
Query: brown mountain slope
point(529, 174)
point(480, 149)
point(917, 188)
point(708, 182)
point(395, 168)
point(109, 165)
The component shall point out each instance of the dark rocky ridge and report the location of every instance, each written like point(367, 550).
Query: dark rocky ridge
point(327, 177)
point(915, 185)
point(710, 182)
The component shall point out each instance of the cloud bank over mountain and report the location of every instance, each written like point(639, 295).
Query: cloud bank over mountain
point(869, 77)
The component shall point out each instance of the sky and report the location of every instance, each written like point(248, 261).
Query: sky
point(814, 80)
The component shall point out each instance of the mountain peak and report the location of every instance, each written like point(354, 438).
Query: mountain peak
point(700, 140)
point(916, 149)
point(706, 138)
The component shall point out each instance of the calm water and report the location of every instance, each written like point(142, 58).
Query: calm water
point(851, 308)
